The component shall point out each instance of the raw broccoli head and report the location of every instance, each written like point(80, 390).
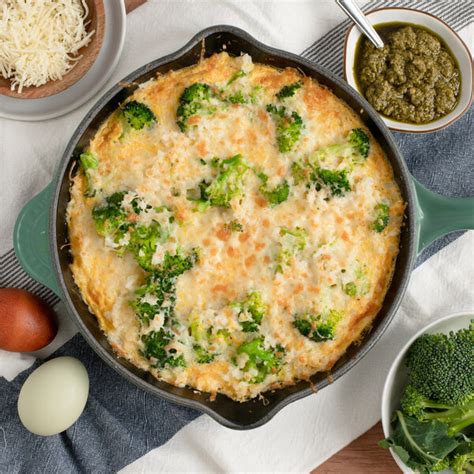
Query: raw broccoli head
point(138, 115)
point(441, 366)
point(193, 100)
point(155, 349)
point(335, 180)
point(318, 328)
point(261, 359)
point(456, 416)
point(463, 463)
point(289, 90)
point(289, 127)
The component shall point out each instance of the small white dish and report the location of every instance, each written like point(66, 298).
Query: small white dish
point(446, 33)
point(397, 377)
point(89, 85)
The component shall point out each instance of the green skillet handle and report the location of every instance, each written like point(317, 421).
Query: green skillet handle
point(439, 215)
point(31, 239)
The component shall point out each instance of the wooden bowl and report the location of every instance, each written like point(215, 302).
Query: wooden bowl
point(89, 55)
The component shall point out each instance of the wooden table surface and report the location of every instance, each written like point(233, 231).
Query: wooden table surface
point(361, 456)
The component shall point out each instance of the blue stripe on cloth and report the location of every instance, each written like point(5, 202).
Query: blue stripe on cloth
point(442, 161)
point(120, 423)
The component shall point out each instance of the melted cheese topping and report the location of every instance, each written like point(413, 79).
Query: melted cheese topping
point(161, 164)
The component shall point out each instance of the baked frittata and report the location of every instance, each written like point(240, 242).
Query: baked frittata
point(234, 227)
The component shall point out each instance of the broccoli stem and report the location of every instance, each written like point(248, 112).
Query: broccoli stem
point(464, 423)
point(457, 417)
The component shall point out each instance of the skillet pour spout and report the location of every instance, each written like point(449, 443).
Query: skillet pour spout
point(48, 260)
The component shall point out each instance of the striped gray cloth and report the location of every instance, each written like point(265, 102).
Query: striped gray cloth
point(122, 422)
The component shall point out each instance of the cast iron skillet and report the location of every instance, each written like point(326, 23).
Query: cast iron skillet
point(41, 231)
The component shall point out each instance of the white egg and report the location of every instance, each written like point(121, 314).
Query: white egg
point(53, 396)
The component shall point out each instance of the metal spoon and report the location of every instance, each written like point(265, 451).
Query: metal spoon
point(352, 10)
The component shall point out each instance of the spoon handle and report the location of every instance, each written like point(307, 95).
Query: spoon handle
point(352, 10)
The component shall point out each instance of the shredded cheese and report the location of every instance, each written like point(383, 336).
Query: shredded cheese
point(40, 39)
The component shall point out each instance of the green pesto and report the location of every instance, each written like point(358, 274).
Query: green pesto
point(414, 79)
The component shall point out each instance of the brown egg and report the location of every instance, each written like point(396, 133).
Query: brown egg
point(27, 323)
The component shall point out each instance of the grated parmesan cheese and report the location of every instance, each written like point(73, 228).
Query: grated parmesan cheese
point(40, 39)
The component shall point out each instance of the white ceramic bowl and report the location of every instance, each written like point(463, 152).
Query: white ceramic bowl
point(444, 31)
point(397, 377)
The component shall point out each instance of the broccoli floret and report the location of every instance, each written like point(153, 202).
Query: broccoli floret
point(194, 99)
point(251, 311)
point(89, 162)
point(463, 463)
point(441, 366)
point(154, 349)
point(261, 359)
point(229, 182)
point(354, 149)
point(237, 98)
point(360, 142)
point(138, 115)
point(235, 76)
point(304, 326)
point(432, 432)
point(335, 180)
point(274, 196)
point(289, 90)
point(254, 95)
point(360, 286)
point(234, 226)
point(203, 356)
point(382, 217)
point(299, 172)
point(175, 265)
point(288, 127)
point(292, 242)
point(111, 219)
point(156, 296)
point(226, 186)
point(350, 289)
point(143, 243)
point(456, 416)
point(318, 328)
